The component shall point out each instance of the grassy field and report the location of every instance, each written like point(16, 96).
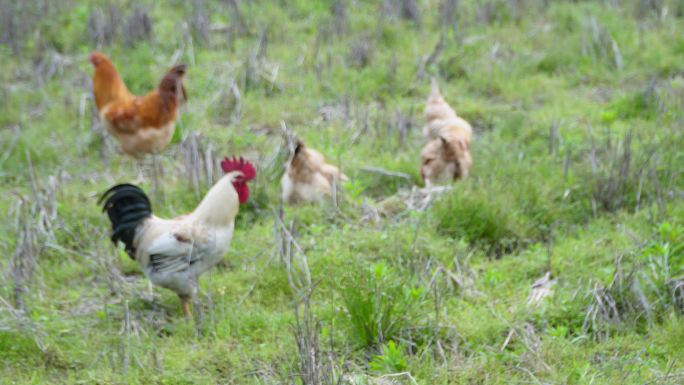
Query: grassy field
point(578, 110)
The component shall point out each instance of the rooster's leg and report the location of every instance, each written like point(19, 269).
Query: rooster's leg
point(185, 305)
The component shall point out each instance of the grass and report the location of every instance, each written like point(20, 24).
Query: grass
point(577, 110)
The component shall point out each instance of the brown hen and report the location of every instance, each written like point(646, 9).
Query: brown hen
point(141, 124)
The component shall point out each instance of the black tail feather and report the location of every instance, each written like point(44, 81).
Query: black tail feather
point(127, 206)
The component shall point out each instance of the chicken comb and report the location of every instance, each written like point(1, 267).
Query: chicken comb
point(240, 164)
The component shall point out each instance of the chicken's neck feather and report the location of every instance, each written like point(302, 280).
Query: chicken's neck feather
point(221, 204)
point(109, 87)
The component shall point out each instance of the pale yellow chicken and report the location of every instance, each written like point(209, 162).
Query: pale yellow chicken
point(307, 177)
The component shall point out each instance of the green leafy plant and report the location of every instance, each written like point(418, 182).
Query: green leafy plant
point(354, 189)
point(663, 273)
point(379, 304)
point(392, 360)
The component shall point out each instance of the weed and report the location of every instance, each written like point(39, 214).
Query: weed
point(379, 305)
point(392, 360)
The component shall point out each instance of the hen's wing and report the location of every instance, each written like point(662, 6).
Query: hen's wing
point(147, 112)
point(178, 249)
point(123, 115)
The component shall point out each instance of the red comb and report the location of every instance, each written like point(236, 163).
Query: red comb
point(241, 165)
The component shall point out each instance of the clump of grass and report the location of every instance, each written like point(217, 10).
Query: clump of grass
point(644, 104)
point(644, 289)
point(623, 175)
point(361, 52)
point(564, 314)
point(479, 220)
point(599, 44)
point(380, 305)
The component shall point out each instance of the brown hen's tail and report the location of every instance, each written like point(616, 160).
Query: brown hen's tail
point(171, 85)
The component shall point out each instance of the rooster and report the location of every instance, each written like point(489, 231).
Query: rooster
point(174, 252)
point(307, 177)
point(141, 124)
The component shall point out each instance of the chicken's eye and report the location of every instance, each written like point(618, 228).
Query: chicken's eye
point(427, 161)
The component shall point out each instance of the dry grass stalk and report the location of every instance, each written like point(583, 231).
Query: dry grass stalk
point(256, 70)
point(11, 33)
point(237, 18)
point(554, 138)
point(615, 303)
point(199, 21)
point(533, 355)
point(403, 125)
point(49, 65)
point(28, 222)
point(384, 172)
point(651, 8)
point(138, 26)
point(395, 378)
point(427, 61)
point(24, 324)
point(410, 11)
point(616, 170)
point(420, 199)
point(437, 338)
point(600, 45)
point(339, 13)
point(26, 253)
point(102, 25)
point(361, 51)
point(198, 162)
point(11, 144)
point(42, 206)
point(602, 311)
point(449, 14)
point(486, 12)
point(19, 19)
point(316, 366)
point(233, 103)
point(541, 288)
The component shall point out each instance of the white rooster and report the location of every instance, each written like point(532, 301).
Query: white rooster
point(174, 252)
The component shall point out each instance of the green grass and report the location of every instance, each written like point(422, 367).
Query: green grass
point(578, 115)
